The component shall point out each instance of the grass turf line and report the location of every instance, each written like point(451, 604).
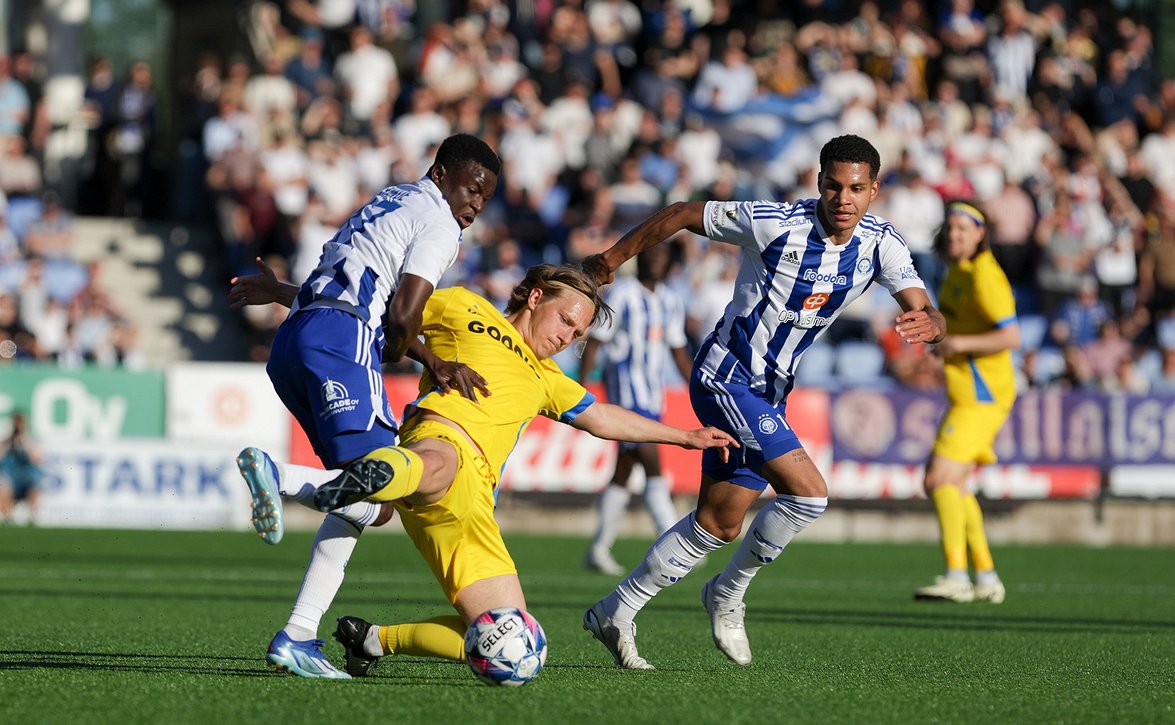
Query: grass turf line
point(126, 626)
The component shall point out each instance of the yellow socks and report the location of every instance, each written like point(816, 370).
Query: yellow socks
point(442, 637)
point(948, 505)
point(976, 537)
point(407, 469)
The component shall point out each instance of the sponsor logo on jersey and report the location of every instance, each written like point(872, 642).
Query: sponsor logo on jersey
point(811, 275)
point(908, 272)
point(792, 258)
point(494, 333)
point(336, 399)
point(808, 318)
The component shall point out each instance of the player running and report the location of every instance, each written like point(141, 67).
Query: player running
point(802, 264)
point(982, 330)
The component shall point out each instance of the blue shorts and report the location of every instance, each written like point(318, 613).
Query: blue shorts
point(759, 425)
point(325, 367)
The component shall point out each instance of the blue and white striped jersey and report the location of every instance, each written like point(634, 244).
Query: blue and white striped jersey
point(646, 325)
point(404, 229)
point(792, 283)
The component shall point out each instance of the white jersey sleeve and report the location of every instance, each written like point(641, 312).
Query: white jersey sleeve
point(432, 252)
point(896, 269)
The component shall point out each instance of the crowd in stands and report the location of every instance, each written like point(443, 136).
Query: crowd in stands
point(52, 307)
point(1052, 116)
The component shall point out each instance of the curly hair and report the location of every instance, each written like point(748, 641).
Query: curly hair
point(553, 279)
point(853, 150)
point(462, 148)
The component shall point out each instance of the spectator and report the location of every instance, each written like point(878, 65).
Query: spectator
point(135, 119)
point(367, 77)
point(1078, 319)
point(1104, 354)
point(726, 86)
point(20, 470)
point(20, 175)
point(310, 72)
point(1165, 383)
point(10, 248)
point(15, 105)
point(1065, 252)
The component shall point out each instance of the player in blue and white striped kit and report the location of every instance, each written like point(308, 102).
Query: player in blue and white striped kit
point(647, 331)
point(363, 303)
point(802, 264)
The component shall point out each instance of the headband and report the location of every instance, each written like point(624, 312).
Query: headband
point(962, 207)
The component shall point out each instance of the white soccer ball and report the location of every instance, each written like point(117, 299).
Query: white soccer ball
point(505, 646)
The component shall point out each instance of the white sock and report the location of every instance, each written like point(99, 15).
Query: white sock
point(669, 559)
point(300, 483)
point(371, 644)
point(659, 503)
point(987, 578)
point(333, 544)
point(613, 502)
point(773, 528)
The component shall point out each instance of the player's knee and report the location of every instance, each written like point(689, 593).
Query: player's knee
point(387, 511)
point(724, 525)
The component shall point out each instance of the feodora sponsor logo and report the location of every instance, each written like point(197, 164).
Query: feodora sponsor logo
point(811, 275)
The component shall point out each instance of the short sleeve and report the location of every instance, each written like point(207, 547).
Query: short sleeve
point(731, 222)
point(896, 270)
point(995, 297)
point(567, 397)
point(432, 252)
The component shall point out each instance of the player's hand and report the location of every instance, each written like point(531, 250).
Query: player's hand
point(448, 375)
point(918, 326)
point(596, 268)
point(254, 289)
point(711, 437)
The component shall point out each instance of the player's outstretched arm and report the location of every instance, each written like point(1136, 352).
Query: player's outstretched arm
point(657, 228)
point(604, 420)
point(261, 289)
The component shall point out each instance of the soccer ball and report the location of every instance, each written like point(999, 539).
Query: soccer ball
point(505, 646)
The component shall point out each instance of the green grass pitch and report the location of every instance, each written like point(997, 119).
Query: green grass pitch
point(151, 627)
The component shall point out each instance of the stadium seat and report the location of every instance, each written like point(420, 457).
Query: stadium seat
point(1033, 331)
point(1150, 365)
point(1050, 363)
point(817, 366)
point(860, 363)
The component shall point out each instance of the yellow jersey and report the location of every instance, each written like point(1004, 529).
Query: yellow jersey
point(975, 298)
point(462, 326)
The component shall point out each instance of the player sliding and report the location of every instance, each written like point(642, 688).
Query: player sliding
point(443, 476)
point(802, 264)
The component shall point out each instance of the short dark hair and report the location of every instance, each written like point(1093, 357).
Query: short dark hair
point(853, 150)
point(462, 148)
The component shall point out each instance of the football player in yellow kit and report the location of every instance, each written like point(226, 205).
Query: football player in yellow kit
point(982, 330)
point(443, 476)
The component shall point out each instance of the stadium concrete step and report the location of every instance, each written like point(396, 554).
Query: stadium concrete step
point(168, 280)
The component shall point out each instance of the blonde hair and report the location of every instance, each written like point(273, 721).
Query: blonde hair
point(553, 279)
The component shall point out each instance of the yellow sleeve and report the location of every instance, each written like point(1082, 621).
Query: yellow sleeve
point(567, 398)
point(994, 296)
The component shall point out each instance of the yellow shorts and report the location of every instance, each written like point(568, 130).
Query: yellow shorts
point(458, 535)
point(967, 433)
